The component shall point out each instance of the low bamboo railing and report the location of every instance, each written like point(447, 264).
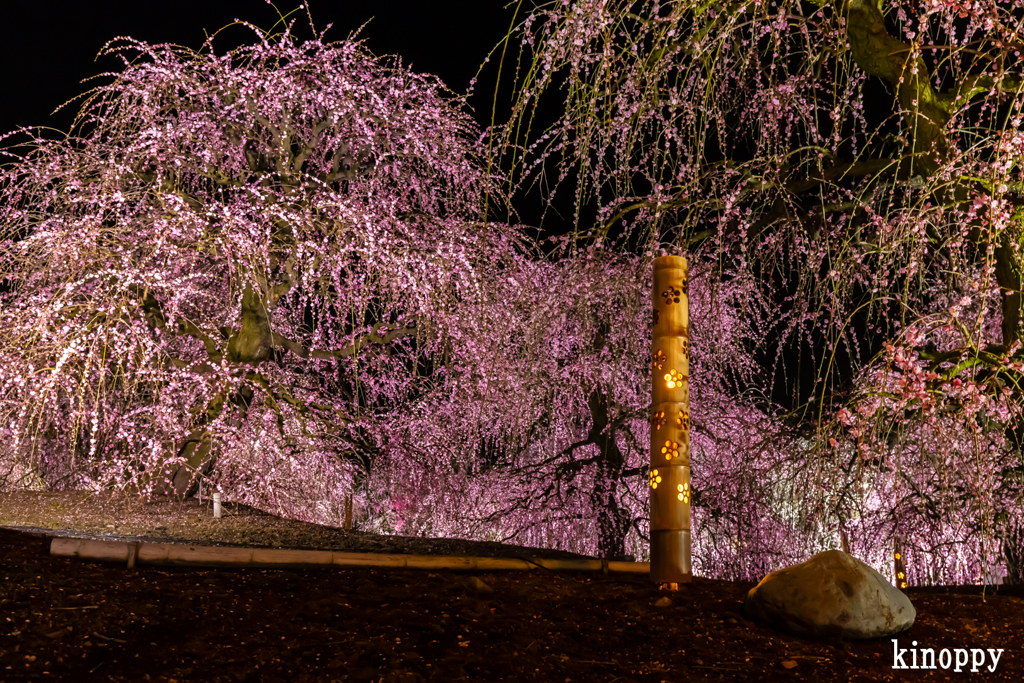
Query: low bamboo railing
point(131, 553)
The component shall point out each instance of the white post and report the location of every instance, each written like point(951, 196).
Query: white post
point(216, 505)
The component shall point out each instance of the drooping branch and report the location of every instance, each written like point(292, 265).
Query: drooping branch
point(152, 311)
point(899, 65)
point(411, 327)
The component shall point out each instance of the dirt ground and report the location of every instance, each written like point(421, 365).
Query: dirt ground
point(167, 520)
point(70, 620)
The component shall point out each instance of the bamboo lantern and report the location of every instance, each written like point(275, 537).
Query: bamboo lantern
point(670, 425)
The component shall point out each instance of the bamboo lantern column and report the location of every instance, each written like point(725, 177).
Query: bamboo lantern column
point(670, 425)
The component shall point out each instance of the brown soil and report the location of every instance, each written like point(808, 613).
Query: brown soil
point(69, 620)
point(166, 520)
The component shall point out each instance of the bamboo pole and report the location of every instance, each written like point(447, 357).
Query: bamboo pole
point(280, 558)
point(670, 425)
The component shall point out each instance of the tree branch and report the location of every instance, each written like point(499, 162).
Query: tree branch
point(372, 337)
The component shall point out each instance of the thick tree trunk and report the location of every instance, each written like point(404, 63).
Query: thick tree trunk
point(890, 59)
point(253, 343)
point(183, 479)
point(199, 449)
point(612, 520)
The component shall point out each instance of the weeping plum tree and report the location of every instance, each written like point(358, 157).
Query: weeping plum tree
point(240, 265)
point(861, 162)
point(548, 431)
point(270, 267)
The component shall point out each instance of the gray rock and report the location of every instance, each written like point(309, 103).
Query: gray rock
point(830, 595)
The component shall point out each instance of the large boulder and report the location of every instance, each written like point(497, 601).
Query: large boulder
point(831, 595)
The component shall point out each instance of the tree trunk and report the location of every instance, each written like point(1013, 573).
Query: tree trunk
point(612, 520)
point(199, 449)
point(1013, 554)
point(251, 345)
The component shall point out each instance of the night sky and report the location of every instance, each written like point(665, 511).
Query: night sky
point(49, 46)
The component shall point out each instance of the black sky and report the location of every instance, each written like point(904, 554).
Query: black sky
point(49, 46)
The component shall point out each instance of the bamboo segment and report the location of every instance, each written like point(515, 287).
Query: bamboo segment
point(670, 424)
point(673, 557)
point(670, 434)
point(667, 512)
point(281, 558)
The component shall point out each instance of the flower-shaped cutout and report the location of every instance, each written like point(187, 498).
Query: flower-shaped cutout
point(683, 494)
point(655, 479)
point(674, 379)
point(658, 420)
point(684, 286)
point(670, 449)
point(683, 420)
point(671, 295)
point(659, 359)
point(686, 346)
point(657, 316)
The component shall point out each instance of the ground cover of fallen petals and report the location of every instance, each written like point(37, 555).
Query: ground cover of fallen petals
point(71, 620)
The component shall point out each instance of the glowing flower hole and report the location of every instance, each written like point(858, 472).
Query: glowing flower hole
point(684, 492)
point(670, 450)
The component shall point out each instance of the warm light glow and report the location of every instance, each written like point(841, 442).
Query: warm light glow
point(670, 450)
point(658, 419)
point(897, 556)
point(674, 379)
point(684, 492)
point(659, 359)
point(683, 420)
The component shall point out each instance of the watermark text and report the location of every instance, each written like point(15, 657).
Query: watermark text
point(928, 658)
